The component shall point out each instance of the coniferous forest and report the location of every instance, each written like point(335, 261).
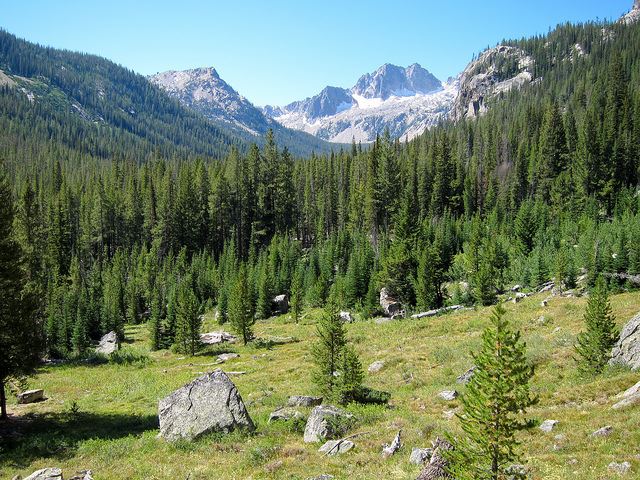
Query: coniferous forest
point(155, 219)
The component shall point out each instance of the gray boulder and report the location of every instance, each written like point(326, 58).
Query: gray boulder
point(621, 468)
point(210, 403)
point(627, 350)
point(108, 344)
point(548, 425)
point(419, 456)
point(227, 356)
point(390, 306)
point(438, 463)
point(466, 376)
point(31, 396)
point(326, 422)
point(303, 401)
point(376, 366)
point(281, 304)
point(336, 447)
point(346, 317)
point(629, 397)
point(214, 338)
point(52, 473)
point(603, 432)
point(285, 414)
point(448, 395)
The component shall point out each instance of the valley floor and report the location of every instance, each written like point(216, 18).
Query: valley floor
point(104, 417)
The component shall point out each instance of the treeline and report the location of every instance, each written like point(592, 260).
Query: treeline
point(543, 186)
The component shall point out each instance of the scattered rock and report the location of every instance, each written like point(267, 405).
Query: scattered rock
point(448, 395)
point(419, 456)
point(603, 432)
point(516, 471)
point(108, 344)
point(326, 422)
point(548, 425)
point(628, 400)
point(324, 476)
point(542, 320)
point(210, 403)
point(390, 306)
point(466, 376)
point(214, 338)
point(437, 466)
point(31, 396)
point(516, 288)
point(438, 311)
point(346, 317)
point(336, 447)
point(621, 468)
point(630, 391)
point(227, 356)
point(376, 366)
point(285, 414)
point(303, 401)
point(544, 303)
point(281, 304)
point(519, 296)
point(83, 475)
point(547, 287)
point(627, 350)
point(51, 473)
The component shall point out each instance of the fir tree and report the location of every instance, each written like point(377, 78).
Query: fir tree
point(188, 319)
point(297, 294)
point(327, 352)
point(493, 405)
point(595, 343)
point(241, 312)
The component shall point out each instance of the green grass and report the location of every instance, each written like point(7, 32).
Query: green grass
point(103, 416)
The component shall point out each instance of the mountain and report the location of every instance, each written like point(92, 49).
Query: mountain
point(405, 101)
point(202, 90)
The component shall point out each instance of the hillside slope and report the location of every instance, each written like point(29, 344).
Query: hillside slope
point(83, 426)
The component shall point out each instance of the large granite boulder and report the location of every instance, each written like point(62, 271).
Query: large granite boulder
point(627, 350)
point(390, 306)
point(437, 466)
point(108, 344)
point(326, 422)
point(214, 338)
point(46, 474)
point(31, 396)
point(281, 304)
point(210, 403)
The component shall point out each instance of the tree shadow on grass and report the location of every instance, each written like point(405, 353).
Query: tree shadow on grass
point(58, 435)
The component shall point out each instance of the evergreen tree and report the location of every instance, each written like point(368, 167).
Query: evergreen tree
point(297, 293)
point(241, 312)
point(188, 319)
point(595, 343)
point(327, 352)
point(20, 332)
point(493, 405)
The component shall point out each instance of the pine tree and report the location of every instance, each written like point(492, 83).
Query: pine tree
point(155, 321)
point(327, 352)
point(349, 384)
point(595, 343)
point(493, 405)
point(429, 280)
point(241, 312)
point(188, 319)
point(20, 332)
point(297, 293)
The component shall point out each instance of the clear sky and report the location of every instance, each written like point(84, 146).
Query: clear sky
point(277, 51)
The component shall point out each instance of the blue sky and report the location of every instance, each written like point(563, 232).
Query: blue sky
point(278, 51)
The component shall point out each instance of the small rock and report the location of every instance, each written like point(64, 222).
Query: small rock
point(83, 475)
point(547, 287)
point(326, 422)
point(336, 447)
point(544, 303)
point(324, 476)
point(226, 356)
point(519, 296)
point(466, 376)
point(346, 317)
point(108, 344)
point(285, 414)
point(31, 396)
point(541, 320)
point(448, 395)
point(548, 425)
point(303, 401)
point(603, 432)
point(376, 366)
point(51, 473)
point(390, 306)
point(516, 288)
point(419, 456)
point(621, 468)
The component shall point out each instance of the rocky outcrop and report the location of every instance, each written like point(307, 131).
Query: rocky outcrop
point(336, 447)
point(326, 422)
point(214, 338)
point(419, 456)
point(284, 414)
point(498, 70)
point(108, 344)
point(628, 398)
point(281, 304)
point(633, 16)
point(390, 306)
point(627, 350)
point(210, 403)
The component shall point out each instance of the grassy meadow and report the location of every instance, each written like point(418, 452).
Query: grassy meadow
point(104, 417)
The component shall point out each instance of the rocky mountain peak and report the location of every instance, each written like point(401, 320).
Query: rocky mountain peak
point(392, 80)
point(634, 14)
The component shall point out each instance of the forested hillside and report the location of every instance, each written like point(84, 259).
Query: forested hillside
point(120, 228)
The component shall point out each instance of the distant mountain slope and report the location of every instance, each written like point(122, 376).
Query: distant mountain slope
point(203, 90)
point(404, 101)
